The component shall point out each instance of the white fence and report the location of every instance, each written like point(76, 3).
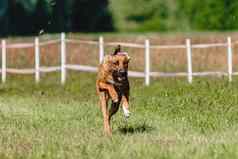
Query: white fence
point(147, 74)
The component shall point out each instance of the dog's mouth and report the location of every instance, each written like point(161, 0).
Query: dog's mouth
point(120, 76)
point(121, 79)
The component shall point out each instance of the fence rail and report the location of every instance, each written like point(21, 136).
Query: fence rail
point(147, 74)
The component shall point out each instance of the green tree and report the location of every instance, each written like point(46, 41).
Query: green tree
point(88, 16)
point(230, 19)
point(3, 17)
point(173, 15)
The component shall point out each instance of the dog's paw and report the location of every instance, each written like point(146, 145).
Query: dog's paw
point(126, 112)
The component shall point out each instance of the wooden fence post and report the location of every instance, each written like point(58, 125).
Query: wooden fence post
point(229, 58)
point(147, 62)
point(101, 49)
point(189, 60)
point(37, 60)
point(63, 59)
point(4, 61)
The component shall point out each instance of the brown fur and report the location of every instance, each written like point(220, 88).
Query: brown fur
point(112, 85)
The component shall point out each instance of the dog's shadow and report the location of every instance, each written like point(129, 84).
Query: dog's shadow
point(130, 129)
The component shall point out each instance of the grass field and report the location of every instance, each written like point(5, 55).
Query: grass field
point(170, 119)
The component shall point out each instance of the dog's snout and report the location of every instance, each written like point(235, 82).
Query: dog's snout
point(122, 70)
point(122, 73)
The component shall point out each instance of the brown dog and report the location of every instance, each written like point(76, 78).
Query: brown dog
point(112, 83)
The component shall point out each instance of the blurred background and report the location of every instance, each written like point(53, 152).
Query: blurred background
point(163, 22)
point(29, 17)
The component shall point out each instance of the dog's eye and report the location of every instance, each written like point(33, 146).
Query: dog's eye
point(116, 63)
point(125, 63)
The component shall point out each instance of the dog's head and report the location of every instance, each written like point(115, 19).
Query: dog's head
point(120, 61)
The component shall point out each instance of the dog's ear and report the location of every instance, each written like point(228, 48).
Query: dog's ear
point(117, 49)
point(128, 58)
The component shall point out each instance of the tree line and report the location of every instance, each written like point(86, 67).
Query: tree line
point(34, 16)
point(176, 15)
point(23, 17)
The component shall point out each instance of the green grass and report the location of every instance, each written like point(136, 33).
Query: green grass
point(170, 119)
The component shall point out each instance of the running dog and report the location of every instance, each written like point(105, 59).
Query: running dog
point(112, 83)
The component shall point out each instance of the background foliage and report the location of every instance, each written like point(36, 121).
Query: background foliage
point(32, 16)
point(182, 15)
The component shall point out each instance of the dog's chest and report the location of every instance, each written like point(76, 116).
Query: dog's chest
point(122, 81)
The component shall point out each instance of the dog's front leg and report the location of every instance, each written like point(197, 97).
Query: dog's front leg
point(105, 112)
point(114, 108)
point(111, 90)
point(125, 105)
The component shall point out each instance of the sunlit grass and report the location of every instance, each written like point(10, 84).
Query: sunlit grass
point(170, 119)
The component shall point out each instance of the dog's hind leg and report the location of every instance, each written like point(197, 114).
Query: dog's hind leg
point(105, 112)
